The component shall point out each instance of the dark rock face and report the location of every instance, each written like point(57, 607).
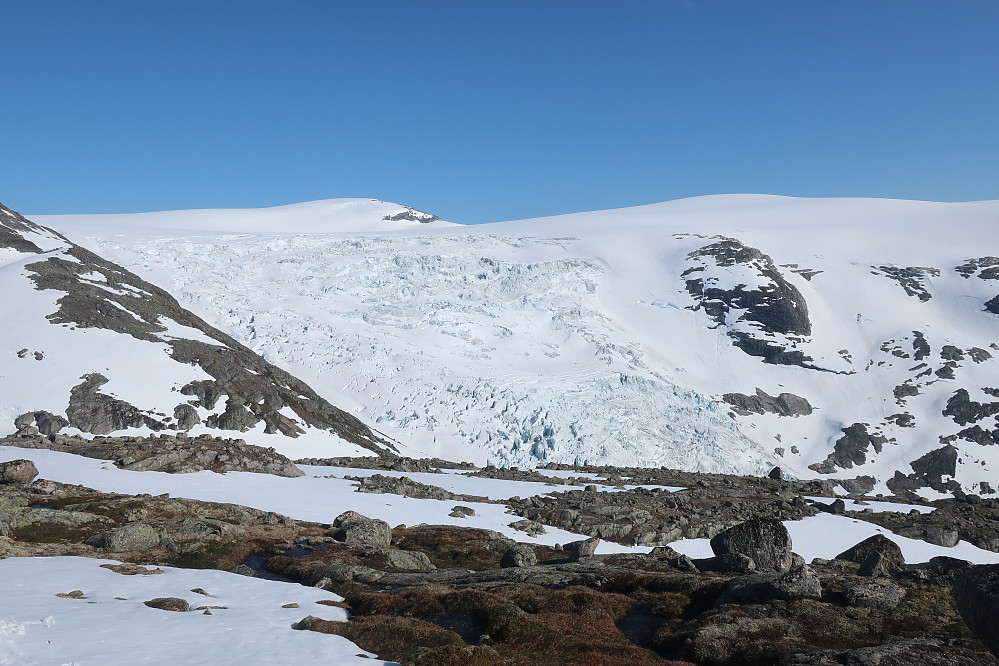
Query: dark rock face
point(20, 472)
point(12, 230)
point(775, 307)
point(989, 267)
point(765, 540)
point(850, 449)
point(992, 305)
point(785, 404)
point(911, 278)
point(976, 594)
point(412, 215)
point(876, 544)
point(928, 471)
point(100, 414)
point(963, 410)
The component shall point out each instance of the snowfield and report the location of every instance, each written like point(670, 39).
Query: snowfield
point(578, 339)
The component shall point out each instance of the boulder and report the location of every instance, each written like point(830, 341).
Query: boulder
point(407, 560)
point(976, 594)
point(169, 604)
point(359, 530)
point(765, 540)
point(878, 543)
point(134, 536)
point(878, 566)
point(521, 555)
point(20, 472)
point(581, 550)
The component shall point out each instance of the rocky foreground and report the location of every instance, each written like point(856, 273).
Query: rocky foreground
point(429, 594)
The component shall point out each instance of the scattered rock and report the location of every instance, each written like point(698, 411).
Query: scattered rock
point(873, 593)
point(355, 529)
point(175, 604)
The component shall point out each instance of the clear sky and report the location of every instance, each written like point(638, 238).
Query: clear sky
point(482, 110)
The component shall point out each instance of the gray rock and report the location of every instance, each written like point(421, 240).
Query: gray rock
point(581, 550)
point(785, 404)
point(186, 416)
point(798, 583)
point(765, 540)
point(976, 594)
point(18, 472)
point(872, 593)
point(727, 563)
point(359, 530)
point(407, 560)
point(135, 536)
point(462, 512)
point(878, 543)
point(521, 555)
point(942, 536)
point(878, 566)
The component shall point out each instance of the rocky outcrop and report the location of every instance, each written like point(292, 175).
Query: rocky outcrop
point(95, 293)
point(912, 279)
point(785, 404)
point(167, 453)
point(774, 306)
point(850, 449)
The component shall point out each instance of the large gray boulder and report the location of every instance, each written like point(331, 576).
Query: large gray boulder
point(765, 540)
point(581, 550)
point(357, 530)
point(19, 472)
point(888, 549)
point(976, 594)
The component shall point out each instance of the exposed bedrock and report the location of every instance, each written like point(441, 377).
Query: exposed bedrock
point(97, 293)
point(850, 449)
point(785, 404)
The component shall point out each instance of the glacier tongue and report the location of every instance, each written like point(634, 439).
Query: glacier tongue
point(489, 348)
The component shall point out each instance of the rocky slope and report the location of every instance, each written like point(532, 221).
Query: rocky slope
point(92, 348)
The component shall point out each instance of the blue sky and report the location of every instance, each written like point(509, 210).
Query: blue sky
point(482, 110)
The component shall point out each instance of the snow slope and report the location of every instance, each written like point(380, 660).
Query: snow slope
point(580, 338)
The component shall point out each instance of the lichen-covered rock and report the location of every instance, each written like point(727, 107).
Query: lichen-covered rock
point(765, 540)
point(798, 583)
point(521, 555)
point(871, 593)
point(134, 536)
point(20, 472)
point(358, 530)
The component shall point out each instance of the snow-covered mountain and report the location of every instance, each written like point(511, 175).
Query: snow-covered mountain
point(91, 348)
point(836, 337)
